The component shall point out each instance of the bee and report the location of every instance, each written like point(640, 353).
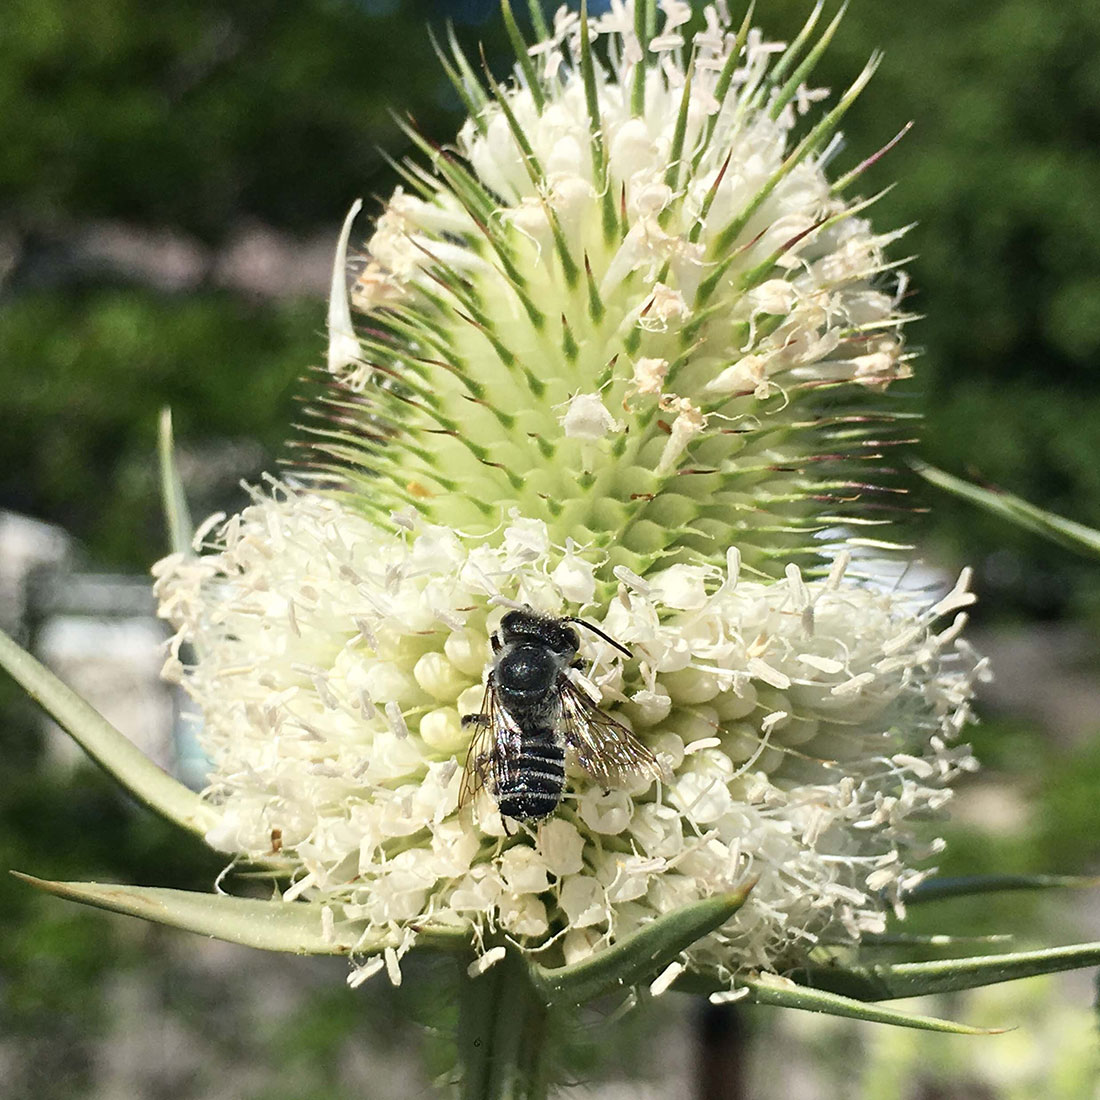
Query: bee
point(533, 712)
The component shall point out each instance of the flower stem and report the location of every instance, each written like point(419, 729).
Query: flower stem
point(502, 1035)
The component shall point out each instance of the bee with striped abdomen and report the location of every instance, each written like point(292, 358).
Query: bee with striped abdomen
point(533, 712)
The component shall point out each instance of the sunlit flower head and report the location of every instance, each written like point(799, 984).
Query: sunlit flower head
point(624, 351)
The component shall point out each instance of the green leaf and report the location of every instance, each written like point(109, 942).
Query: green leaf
point(790, 56)
point(909, 939)
point(888, 980)
point(538, 20)
point(936, 889)
point(1063, 531)
point(637, 91)
point(176, 513)
point(640, 955)
point(520, 47)
point(294, 927)
point(773, 990)
point(111, 750)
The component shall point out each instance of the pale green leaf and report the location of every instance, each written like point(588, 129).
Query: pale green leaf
point(917, 979)
point(1063, 531)
point(639, 956)
point(937, 889)
point(176, 513)
point(515, 36)
point(294, 927)
point(271, 925)
point(910, 939)
point(538, 20)
point(114, 752)
point(772, 990)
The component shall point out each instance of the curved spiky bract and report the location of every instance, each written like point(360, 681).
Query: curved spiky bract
point(628, 302)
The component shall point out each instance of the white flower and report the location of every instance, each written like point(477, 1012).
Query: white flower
point(587, 418)
point(805, 726)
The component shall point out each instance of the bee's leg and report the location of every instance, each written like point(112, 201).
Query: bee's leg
point(496, 643)
point(504, 821)
point(480, 719)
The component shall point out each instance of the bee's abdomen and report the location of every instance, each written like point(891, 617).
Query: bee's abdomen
point(532, 786)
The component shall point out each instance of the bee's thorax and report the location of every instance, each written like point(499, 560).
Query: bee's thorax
point(526, 676)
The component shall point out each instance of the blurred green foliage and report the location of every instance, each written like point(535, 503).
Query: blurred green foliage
point(56, 961)
point(210, 112)
point(87, 373)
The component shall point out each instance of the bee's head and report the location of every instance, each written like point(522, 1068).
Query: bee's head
point(529, 626)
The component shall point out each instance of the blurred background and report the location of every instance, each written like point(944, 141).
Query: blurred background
point(171, 186)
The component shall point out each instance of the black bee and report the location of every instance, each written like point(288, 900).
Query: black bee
point(533, 711)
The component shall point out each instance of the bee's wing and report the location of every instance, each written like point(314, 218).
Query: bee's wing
point(604, 748)
point(492, 748)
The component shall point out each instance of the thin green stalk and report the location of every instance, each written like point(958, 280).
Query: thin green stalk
point(502, 1034)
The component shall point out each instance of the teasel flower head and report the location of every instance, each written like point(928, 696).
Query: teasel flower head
point(619, 354)
point(629, 301)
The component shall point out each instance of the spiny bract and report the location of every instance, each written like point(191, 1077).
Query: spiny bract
point(629, 302)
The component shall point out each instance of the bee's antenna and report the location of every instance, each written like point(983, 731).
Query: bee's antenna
point(596, 630)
